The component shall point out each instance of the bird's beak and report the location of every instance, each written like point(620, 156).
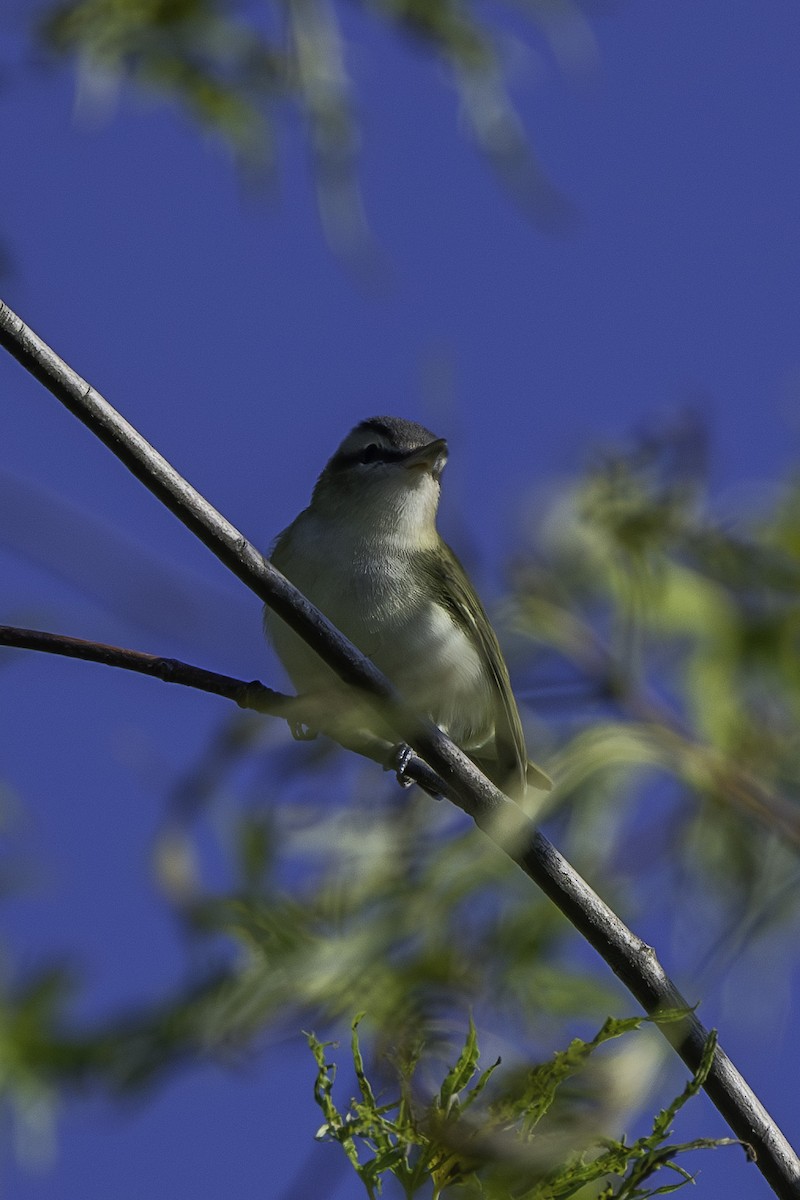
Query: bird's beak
point(431, 457)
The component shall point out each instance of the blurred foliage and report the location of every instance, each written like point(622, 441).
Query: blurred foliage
point(656, 645)
point(233, 64)
point(428, 1142)
point(682, 627)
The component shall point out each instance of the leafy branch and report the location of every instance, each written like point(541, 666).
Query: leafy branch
point(497, 1149)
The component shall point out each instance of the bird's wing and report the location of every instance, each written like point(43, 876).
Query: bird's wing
point(467, 610)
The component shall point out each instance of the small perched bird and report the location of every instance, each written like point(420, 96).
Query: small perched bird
point(368, 554)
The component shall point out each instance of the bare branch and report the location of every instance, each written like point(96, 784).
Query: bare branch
point(169, 670)
point(252, 695)
point(635, 963)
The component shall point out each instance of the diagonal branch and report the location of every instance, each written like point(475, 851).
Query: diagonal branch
point(632, 961)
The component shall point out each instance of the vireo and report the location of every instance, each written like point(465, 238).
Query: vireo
point(368, 554)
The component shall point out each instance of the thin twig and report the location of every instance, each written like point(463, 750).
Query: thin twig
point(632, 961)
point(169, 670)
point(253, 695)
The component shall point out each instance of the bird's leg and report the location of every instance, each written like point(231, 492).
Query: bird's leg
point(302, 714)
point(339, 716)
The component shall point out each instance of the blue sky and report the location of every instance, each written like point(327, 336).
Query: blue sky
point(220, 323)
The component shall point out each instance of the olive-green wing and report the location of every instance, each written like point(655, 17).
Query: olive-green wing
point(512, 767)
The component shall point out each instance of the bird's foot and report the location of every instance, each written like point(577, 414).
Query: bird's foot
point(302, 732)
point(398, 762)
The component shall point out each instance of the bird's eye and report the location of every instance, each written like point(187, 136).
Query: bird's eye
point(370, 453)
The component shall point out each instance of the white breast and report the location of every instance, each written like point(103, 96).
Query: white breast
point(440, 671)
point(415, 642)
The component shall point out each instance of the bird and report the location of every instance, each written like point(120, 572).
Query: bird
point(367, 553)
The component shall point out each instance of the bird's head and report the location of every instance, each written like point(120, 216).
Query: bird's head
point(385, 474)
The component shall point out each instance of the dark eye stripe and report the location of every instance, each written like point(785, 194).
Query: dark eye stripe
point(367, 454)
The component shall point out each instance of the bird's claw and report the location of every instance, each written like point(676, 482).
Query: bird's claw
point(302, 732)
point(398, 762)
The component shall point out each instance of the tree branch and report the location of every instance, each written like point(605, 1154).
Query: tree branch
point(252, 695)
point(632, 961)
point(169, 670)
